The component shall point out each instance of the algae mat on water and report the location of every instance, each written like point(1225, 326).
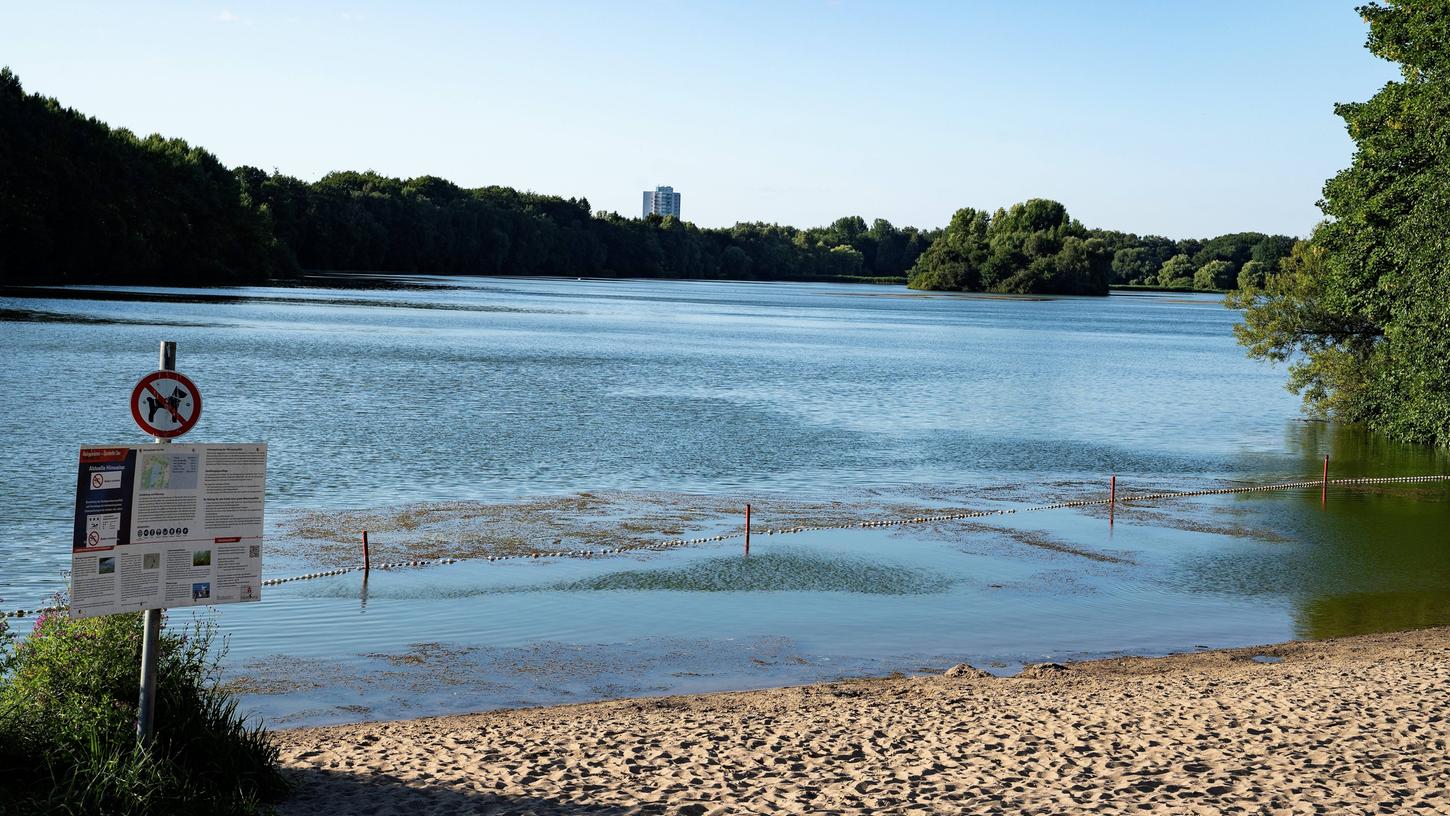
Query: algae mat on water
point(773, 572)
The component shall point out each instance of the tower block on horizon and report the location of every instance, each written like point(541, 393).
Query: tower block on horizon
point(661, 201)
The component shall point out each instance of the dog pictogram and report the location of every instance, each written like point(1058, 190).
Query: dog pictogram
point(165, 404)
point(171, 403)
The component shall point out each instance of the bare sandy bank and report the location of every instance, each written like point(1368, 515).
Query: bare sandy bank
point(1357, 725)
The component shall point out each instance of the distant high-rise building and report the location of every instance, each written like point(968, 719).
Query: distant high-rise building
point(662, 201)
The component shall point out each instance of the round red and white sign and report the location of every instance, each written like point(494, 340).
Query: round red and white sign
point(165, 404)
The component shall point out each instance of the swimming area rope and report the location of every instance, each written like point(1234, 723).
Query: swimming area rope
point(951, 515)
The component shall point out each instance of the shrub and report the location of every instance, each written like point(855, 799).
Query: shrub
point(68, 717)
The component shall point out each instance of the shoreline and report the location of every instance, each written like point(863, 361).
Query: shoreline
point(1355, 723)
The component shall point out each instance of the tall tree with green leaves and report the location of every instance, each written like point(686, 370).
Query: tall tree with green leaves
point(1362, 311)
point(1176, 272)
point(1217, 274)
point(1031, 247)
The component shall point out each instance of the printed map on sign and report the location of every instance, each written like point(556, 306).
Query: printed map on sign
point(168, 471)
point(155, 472)
point(158, 526)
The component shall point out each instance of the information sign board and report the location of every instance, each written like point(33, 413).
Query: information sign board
point(163, 525)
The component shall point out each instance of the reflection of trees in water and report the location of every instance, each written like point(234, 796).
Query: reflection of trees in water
point(1371, 560)
point(1365, 612)
point(1356, 452)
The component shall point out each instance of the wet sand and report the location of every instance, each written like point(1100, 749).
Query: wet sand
point(1356, 725)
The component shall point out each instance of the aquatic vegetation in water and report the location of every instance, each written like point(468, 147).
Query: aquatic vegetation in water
point(772, 572)
point(582, 520)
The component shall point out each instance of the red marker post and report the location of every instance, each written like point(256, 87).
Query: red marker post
point(747, 530)
point(367, 562)
point(1324, 485)
point(1112, 496)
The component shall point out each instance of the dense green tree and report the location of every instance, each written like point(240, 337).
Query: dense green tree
point(1139, 259)
point(1187, 246)
point(81, 202)
point(1252, 274)
point(1235, 247)
point(1215, 275)
point(843, 231)
point(1032, 247)
point(1268, 252)
point(1134, 264)
point(954, 261)
point(887, 245)
point(1238, 248)
point(1361, 310)
point(1294, 318)
point(734, 263)
point(845, 261)
point(1176, 272)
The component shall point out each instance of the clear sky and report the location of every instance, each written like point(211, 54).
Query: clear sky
point(1175, 117)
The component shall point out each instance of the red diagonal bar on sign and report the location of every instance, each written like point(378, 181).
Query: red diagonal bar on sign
point(165, 404)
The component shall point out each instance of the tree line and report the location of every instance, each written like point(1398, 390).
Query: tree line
point(82, 202)
point(1036, 247)
point(368, 222)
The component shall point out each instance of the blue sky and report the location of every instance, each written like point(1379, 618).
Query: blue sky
point(1173, 117)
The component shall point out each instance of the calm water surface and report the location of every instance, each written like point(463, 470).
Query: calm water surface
point(503, 390)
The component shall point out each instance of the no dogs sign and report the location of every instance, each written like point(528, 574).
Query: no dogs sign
point(165, 404)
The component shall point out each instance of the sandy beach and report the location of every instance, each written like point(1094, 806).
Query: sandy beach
point(1356, 725)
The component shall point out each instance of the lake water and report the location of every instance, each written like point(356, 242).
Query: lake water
point(594, 411)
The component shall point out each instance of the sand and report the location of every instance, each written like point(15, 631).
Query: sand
point(1357, 725)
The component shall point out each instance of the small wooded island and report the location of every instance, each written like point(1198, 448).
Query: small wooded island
point(95, 204)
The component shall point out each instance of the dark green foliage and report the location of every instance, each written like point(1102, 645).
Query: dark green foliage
point(1228, 253)
point(1236, 248)
point(1215, 275)
point(1141, 260)
point(1138, 259)
point(1253, 274)
point(367, 222)
point(67, 727)
point(1032, 247)
point(1035, 247)
point(81, 202)
point(1362, 309)
point(1176, 273)
point(1270, 251)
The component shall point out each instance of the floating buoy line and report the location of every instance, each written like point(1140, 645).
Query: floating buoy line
point(893, 522)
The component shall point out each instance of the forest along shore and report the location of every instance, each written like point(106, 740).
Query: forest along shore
point(1350, 725)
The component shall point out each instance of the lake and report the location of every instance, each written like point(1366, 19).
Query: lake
point(468, 416)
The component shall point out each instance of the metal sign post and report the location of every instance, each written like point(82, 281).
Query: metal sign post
point(143, 539)
point(151, 629)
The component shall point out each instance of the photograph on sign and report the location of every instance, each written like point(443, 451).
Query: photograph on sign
point(163, 525)
point(165, 404)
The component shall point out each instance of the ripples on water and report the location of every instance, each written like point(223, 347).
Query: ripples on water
point(424, 390)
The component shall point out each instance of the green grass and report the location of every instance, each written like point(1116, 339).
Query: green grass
point(67, 726)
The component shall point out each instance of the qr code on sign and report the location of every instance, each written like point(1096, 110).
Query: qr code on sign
point(254, 551)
